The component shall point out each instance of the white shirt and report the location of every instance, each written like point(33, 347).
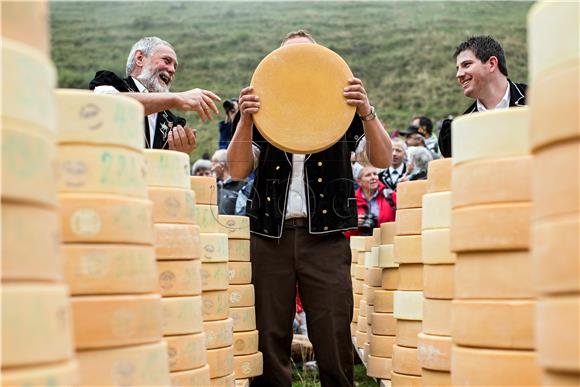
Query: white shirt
point(504, 103)
point(399, 174)
point(151, 118)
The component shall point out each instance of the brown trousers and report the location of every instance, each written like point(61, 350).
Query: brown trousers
point(320, 266)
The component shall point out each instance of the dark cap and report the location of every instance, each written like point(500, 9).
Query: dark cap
point(412, 130)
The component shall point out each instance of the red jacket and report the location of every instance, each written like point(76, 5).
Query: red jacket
point(386, 212)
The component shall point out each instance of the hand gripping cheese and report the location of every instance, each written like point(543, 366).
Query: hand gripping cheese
point(172, 205)
point(480, 367)
point(205, 188)
point(182, 315)
point(405, 380)
point(220, 361)
point(141, 365)
point(179, 278)
point(214, 247)
point(36, 324)
point(237, 227)
point(408, 249)
point(105, 218)
point(407, 333)
point(186, 352)
point(436, 211)
point(439, 175)
point(382, 346)
point(493, 181)
point(384, 301)
point(207, 218)
point(387, 256)
point(28, 167)
point(410, 276)
point(438, 281)
point(491, 135)
point(30, 243)
point(60, 374)
point(239, 273)
point(241, 295)
point(384, 324)
point(239, 250)
point(28, 23)
point(215, 305)
point(379, 367)
point(410, 194)
point(434, 352)
point(493, 324)
point(177, 241)
point(223, 381)
point(437, 317)
point(167, 168)
point(388, 232)
point(406, 361)
point(214, 276)
point(390, 279)
point(408, 305)
point(93, 269)
point(408, 221)
point(244, 318)
point(436, 247)
point(98, 169)
point(247, 366)
point(219, 334)
point(195, 377)
point(99, 119)
point(28, 81)
point(491, 227)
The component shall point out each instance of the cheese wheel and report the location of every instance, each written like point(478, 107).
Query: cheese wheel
point(181, 315)
point(239, 250)
point(205, 188)
point(438, 281)
point(242, 383)
point(549, 26)
point(561, 379)
point(28, 81)
point(492, 181)
point(369, 293)
point(556, 254)
point(186, 352)
point(233, 226)
point(361, 338)
point(379, 367)
point(105, 219)
point(376, 237)
point(434, 352)
point(492, 135)
point(215, 305)
point(554, 196)
point(357, 298)
point(219, 333)
point(409, 221)
point(410, 276)
point(179, 278)
point(410, 194)
point(114, 321)
point(224, 381)
point(207, 218)
point(436, 211)
point(382, 346)
point(140, 365)
point(557, 336)
point(353, 328)
point(481, 367)
point(99, 119)
point(361, 243)
point(435, 378)
point(408, 249)
point(241, 295)
point(17, 15)
point(245, 343)
point(220, 361)
point(247, 366)
point(372, 258)
point(390, 279)
point(28, 167)
point(60, 374)
point(374, 276)
point(172, 205)
point(475, 323)
point(437, 317)
point(384, 300)
point(239, 273)
point(369, 314)
point(495, 275)
point(436, 247)
point(384, 324)
point(244, 318)
point(354, 256)
point(214, 276)
point(167, 168)
point(439, 175)
point(177, 241)
point(363, 303)
point(387, 256)
point(362, 322)
point(195, 377)
point(388, 232)
point(407, 333)
point(92, 269)
point(406, 361)
point(360, 272)
point(357, 286)
point(98, 169)
point(214, 247)
point(355, 315)
point(405, 380)
point(491, 227)
point(36, 324)
point(22, 260)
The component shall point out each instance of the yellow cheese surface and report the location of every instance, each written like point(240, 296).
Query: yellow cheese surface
point(215, 305)
point(60, 374)
point(437, 317)
point(361, 243)
point(374, 276)
point(436, 247)
point(388, 232)
point(214, 247)
point(382, 346)
point(390, 279)
point(438, 281)
point(406, 361)
point(177, 241)
point(436, 211)
point(220, 361)
point(214, 276)
point(409, 221)
point(194, 377)
point(224, 381)
point(379, 367)
point(241, 295)
point(205, 188)
point(410, 194)
point(27, 23)
point(244, 318)
point(551, 378)
point(384, 324)
point(172, 205)
point(405, 380)
point(387, 256)
point(219, 333)
point(408, 249)
point(245, 343)
point(407, 333)
point(247, 366)
point(239, 273)
point(410, 276)
point(236, 227)
point(239, 250)
point(179, 278)
point(434, 352)
point(167, 168)
point(207, 218)
point(181, 315)
point(439, 175)
point(186, 352)
point(384, 301)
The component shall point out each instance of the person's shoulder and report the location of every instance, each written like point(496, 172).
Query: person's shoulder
point(108, 78)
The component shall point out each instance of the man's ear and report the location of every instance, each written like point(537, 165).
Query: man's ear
point(139, 58)
point(493, 63)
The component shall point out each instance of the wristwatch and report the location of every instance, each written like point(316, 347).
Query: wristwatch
point(371, 116)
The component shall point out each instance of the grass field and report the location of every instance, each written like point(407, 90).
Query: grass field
point(401, 50)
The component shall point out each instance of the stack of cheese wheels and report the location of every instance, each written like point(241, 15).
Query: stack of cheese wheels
point(554, 64)
point(360, 245)
point(247, 358)
point(177, 245)
point(382, 278)
point(108, 238)
point(37, 337)
point(435, 339)
point(408, 299)
point(492, 311)
point(371, 283)
point(217, 323)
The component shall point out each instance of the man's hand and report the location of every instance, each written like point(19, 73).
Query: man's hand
point(249, 104)
point(356, 94)
point(182, 139)
point(200, 101)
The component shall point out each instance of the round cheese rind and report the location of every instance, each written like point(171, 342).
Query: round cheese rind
point(552, 378)
point(205, 188)
point(374, 276)
point(177, 241)
point(220, 361)
point(245, 343)
point(167, 168)
point(438, 281)
point(27, 23)
point(436, 378)
point(409, 221)
point(406, 361)
point(179, 278)
point(362, 322)
point(436, 247)
point(194, 377)
point(379, 367)
point(390, 279)
point(437, 317)
point(382, 346)
point(241, 295)
point(407, 333)
point(213, 247)
point(219, 334)
point(61, 374)
point(361, 243)
point(237, 227)
point(410, 194)
point(206, 217)
point(214, 276)
point(439, 175)
point(410, 276)
point(181, 315)
point(408, 305)
point(384, 300)
point(224, 381)
point(247, 366)
point(92, 269)
point(215, 305)
point(99, 119)
point(186, 352)
point(172, 205)
point(408, 249)
point(239, 273)
point(405, 380)
point(244, 318)
point(36, 324)
point(98, 169)
point(436, 211)
point(28, 167)
point(387, 256)
point(384, 324)
point(388, 232)
point(239, 250)
point(434, 352)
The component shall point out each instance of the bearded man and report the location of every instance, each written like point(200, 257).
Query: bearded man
point(151, 68)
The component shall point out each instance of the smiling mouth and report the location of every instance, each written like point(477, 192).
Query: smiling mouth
point(165, 78)
point(465, 83)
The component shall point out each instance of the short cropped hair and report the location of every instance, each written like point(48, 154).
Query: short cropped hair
point(201, 164)
point(146, 45)
point(483, 48)
point(221, 156)
point(425, 122)
point(420, 157)
point(298, 34)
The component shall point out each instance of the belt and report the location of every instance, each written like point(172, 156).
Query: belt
point(296, 223)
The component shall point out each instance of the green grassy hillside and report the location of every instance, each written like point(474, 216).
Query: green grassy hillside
point(401, 50)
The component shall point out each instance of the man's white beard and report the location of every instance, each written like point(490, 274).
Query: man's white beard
point(150, 79)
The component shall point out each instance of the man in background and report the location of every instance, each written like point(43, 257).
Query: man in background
point(391, 176)
point(228, 189)
point(425, 128)
point(225, 126)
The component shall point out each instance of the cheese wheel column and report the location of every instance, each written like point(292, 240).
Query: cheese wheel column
point(360, 247)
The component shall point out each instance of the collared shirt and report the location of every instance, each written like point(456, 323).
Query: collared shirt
point(396, 173)
point(504, 103)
